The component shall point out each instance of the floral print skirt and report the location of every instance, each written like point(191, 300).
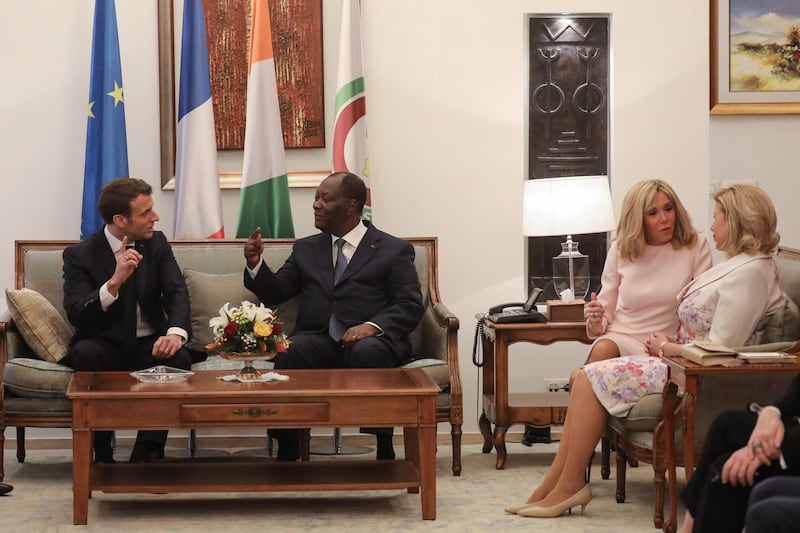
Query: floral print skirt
point(621, 382)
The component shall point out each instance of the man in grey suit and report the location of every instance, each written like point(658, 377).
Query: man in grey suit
point(125, 295)
point(360, 294)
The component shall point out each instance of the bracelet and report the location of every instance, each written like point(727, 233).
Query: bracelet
point(661, 349)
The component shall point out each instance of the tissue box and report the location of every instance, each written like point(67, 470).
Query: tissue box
point(558, 311)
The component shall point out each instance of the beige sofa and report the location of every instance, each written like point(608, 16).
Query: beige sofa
point(34, 332)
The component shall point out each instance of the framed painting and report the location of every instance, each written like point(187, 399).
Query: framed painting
point(297, 43)
point(755, 57)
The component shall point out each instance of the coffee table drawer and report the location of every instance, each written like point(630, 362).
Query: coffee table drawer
point(247, 412)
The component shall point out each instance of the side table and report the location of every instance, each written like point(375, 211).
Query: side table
point(685, 377)
point(504, 409)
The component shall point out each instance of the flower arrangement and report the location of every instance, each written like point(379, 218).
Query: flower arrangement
point(250, 328)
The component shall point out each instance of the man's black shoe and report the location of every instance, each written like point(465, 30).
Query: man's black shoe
point(104, 455)
point(5, 488)
point(534, 435)
point(146, 452)
point(103, 447)
point(288, 444)
point(385, 451)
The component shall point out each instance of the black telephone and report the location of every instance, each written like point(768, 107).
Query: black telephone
point(527, 312)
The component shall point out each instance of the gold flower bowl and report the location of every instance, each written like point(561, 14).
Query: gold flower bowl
point(248, 371)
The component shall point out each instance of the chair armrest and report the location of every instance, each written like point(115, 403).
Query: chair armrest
point(792, 347)
point(449, 322)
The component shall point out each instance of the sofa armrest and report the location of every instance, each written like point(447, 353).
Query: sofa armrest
point(5, 326)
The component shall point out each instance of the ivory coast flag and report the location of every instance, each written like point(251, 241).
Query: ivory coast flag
point(264, 199)
point(350, 124)
point(198, 205)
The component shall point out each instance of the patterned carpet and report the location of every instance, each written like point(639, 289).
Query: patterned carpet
point(42, 502)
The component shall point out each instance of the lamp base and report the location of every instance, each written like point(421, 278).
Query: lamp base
point(558, 311)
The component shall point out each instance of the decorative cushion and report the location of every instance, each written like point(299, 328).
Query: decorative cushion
point(207, 293)
point(436, 369)
point(783, 324)
point(33, 378)
point(44, 330)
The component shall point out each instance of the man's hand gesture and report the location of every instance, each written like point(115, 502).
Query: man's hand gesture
point(127, 262)
point(253, 248)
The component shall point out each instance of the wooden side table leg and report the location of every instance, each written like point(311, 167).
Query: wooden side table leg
point(500, 446)
point(486, 431)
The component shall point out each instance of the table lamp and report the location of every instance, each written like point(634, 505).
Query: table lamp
point(568, 206)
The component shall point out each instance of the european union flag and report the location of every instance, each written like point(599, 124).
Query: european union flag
point(106, 143)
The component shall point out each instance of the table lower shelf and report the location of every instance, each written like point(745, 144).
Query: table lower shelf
point(254, 476)
point(537, 408)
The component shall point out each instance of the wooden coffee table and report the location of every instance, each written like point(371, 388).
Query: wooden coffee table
point(319, 398)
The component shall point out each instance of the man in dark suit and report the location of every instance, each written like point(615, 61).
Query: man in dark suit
point(126, 298)
point(360, 294)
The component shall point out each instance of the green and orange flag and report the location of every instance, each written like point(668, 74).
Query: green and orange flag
point(264, 199)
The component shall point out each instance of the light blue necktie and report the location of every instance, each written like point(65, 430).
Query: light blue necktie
point(335, 327)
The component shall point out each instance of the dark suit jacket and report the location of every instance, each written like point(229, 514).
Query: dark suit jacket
point(789, 404)
point(163, 298)
point(380, 285)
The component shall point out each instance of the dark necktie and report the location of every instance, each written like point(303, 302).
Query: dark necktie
point(129, 299)
point(341, 261)
point(335, 327)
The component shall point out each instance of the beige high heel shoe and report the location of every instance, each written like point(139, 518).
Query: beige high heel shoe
point(513, 509)
point(582, 498)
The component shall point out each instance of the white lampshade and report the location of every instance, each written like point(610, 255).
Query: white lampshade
point(566, 206)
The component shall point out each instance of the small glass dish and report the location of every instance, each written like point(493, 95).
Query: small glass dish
point(162, 374)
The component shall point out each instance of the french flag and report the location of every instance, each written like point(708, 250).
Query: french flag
point(198, 206)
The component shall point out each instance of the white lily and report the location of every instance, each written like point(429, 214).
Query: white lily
point(256, 313)
point(219, 322)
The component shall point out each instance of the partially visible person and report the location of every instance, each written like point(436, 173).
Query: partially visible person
point(125, 296)
point(774, 506)
point(710, 308)
point(5, 488)
point(745, 452)
point(360, 291)
point(655, 254)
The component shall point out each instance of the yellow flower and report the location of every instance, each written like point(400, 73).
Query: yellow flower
point(262, 329)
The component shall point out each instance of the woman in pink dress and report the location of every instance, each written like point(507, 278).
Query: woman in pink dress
point(710, 308)
point(655, 254)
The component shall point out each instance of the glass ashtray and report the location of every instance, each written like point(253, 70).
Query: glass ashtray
point(162, 374)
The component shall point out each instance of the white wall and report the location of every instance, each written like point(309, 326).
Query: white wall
point(446, 86)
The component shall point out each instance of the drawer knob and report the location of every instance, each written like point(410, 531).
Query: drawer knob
point(255, 411)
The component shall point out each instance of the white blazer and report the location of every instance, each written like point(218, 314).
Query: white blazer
point(739, 291)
